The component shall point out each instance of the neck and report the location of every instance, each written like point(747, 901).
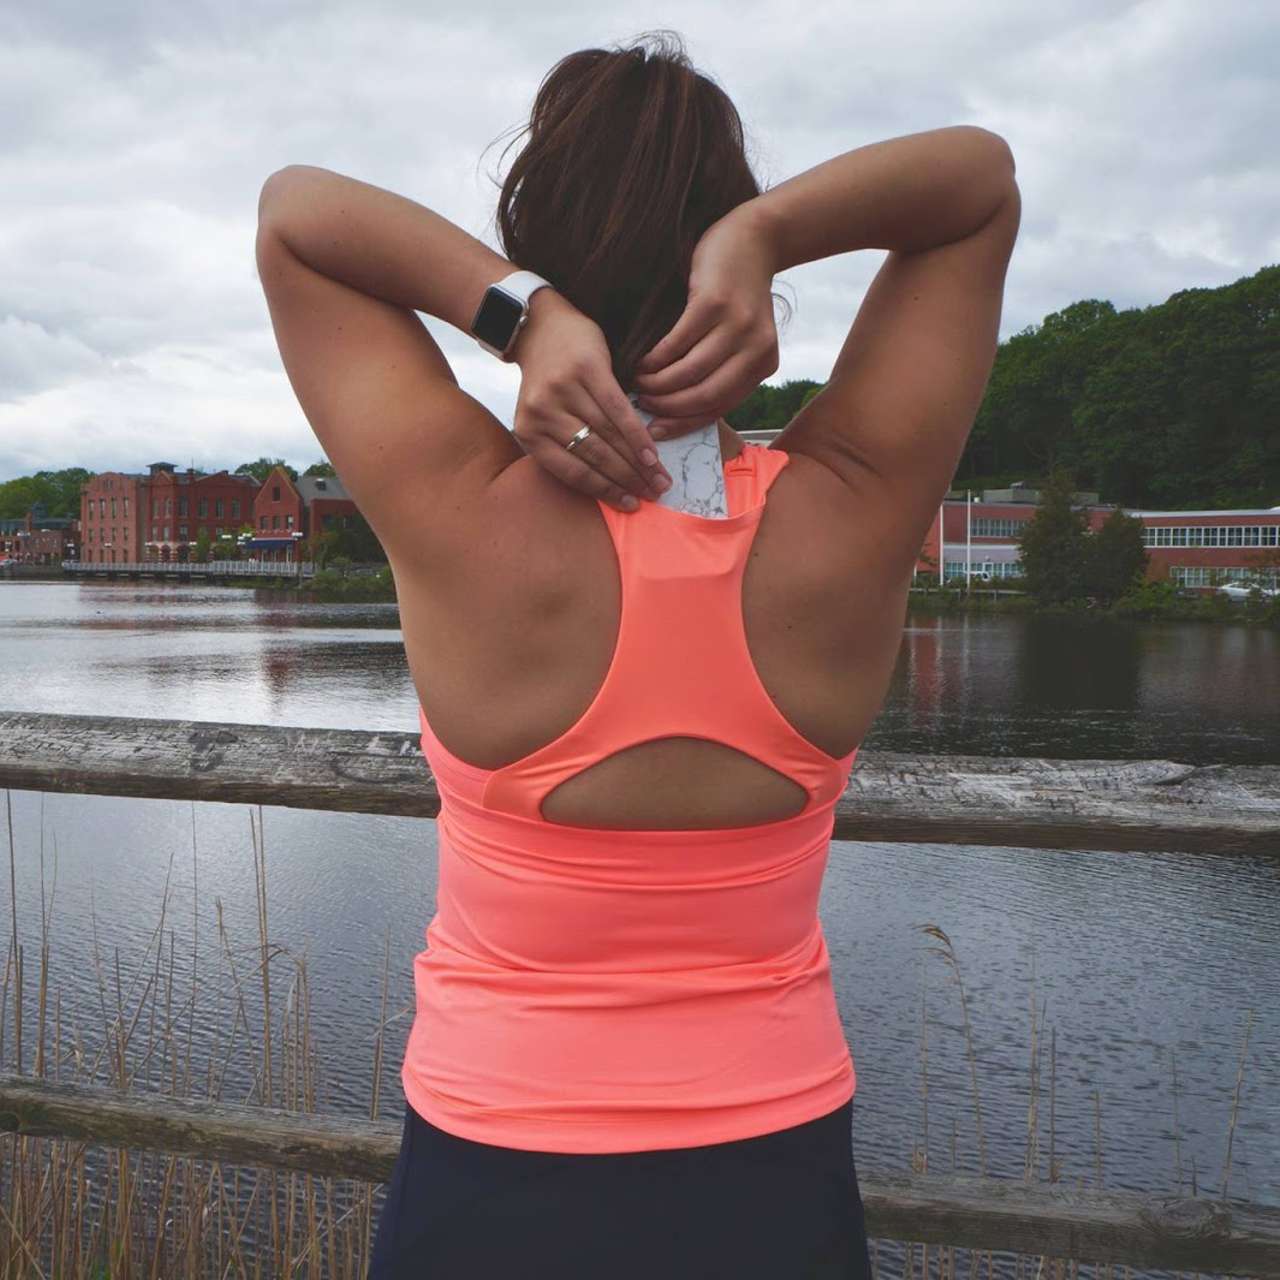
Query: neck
point(730, 441)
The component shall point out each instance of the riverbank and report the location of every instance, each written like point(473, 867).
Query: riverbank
point(1152, 600)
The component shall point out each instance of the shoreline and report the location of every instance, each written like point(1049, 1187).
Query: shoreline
point(1150, 601)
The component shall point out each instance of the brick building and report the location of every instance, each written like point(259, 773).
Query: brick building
point(180, 504)
point(39, 538)
point(288, 511)
point(112, 505)
point(1196, 549)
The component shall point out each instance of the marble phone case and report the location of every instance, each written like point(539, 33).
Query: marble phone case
point(696, 467)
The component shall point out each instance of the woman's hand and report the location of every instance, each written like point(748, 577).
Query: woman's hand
point(567, 381)
point(725, 342)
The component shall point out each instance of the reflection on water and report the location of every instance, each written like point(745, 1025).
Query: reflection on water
point(1142, 962)
point(1063, 687)
point(1085, 688)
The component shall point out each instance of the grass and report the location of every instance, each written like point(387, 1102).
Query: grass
point(1150, 600)
point(75, 1212)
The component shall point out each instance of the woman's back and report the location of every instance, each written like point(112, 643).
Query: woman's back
point(512, 650)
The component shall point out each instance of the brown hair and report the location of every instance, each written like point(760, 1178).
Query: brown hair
point(632, 155)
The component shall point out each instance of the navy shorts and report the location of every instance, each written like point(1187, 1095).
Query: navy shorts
point(784, 1204)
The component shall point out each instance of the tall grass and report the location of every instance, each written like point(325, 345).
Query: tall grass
point(73, 1212)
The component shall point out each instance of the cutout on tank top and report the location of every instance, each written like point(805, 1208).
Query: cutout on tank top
point(659, 785)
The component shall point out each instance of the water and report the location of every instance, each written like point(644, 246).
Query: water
point(1142, 962)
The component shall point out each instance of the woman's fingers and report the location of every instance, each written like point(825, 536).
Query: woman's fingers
point(695, 322)
point(697, 364)
point(707, 398)
point(629, 435)
point(600, 470)
point(581, 469)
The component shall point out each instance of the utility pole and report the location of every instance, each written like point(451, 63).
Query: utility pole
point(968, 540)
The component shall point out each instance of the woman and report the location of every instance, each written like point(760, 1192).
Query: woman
point(627, 1058)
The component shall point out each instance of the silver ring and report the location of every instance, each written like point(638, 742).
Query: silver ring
point(578, 439)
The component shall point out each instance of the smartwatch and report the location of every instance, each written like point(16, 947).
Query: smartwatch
point(504, 311)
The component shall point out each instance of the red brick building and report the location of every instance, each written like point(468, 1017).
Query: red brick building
point(180, 504)
point(38, 538)
point(112, 505)
point(287, 512)
point(1195, 549)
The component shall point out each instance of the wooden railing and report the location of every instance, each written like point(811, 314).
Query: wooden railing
point(1025, 802)
point(1036, 803)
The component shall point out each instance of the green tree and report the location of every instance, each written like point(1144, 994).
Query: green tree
point(1116, 559)
point(1053, 544)
point(356, 542)
point(1169, 406)
point(262, 467)
point(59, 491)
point(323, 468)
point(202, 545)
point(770, 408)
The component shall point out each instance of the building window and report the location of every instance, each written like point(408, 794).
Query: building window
point(978, 568)
point(217, 508)
point(262, 522)
point(166, 533)
point(275, 493)
point(1212, 535)
point(275, 522)
point(995, 527)
point(113, 508)
point(218, 531)
point(182, 506)
point(126, 508)
point(1205, 575)
point(182, 532)
point(168, 506)
point(235, 508)
point(288, 521)
point(155, 533)
point(327, 521)
point(155, 507)
point(204, 507)
point(102, 507)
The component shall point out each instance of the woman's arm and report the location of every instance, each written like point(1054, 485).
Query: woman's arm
point(391, 248)
point(911, 193)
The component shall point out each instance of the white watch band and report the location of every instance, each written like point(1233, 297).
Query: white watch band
point(524, 284)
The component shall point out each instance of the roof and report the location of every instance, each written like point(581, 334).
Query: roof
point(1229, 511)
point(312, 487)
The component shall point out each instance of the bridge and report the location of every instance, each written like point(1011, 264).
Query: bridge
point(187, 570)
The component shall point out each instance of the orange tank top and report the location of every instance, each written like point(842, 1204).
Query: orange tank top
point(588, 990)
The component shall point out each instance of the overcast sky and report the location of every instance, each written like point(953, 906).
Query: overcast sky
point(137, 135)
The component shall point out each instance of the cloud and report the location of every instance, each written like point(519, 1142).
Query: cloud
point(138, 135)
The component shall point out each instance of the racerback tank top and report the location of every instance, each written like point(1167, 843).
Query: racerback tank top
point(589, 990)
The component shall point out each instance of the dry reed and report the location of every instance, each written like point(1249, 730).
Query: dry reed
point(77, 1213)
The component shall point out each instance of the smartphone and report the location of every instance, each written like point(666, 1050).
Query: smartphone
point(696, 467)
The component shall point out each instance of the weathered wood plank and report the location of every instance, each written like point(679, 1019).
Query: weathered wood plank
point(978, 800)
point(1231, 1238)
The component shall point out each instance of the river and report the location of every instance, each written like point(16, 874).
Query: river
point(1137, 958)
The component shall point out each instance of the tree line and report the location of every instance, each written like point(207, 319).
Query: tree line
point(1174, 406)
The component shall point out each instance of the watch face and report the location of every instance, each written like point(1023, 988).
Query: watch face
point(497, 318)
